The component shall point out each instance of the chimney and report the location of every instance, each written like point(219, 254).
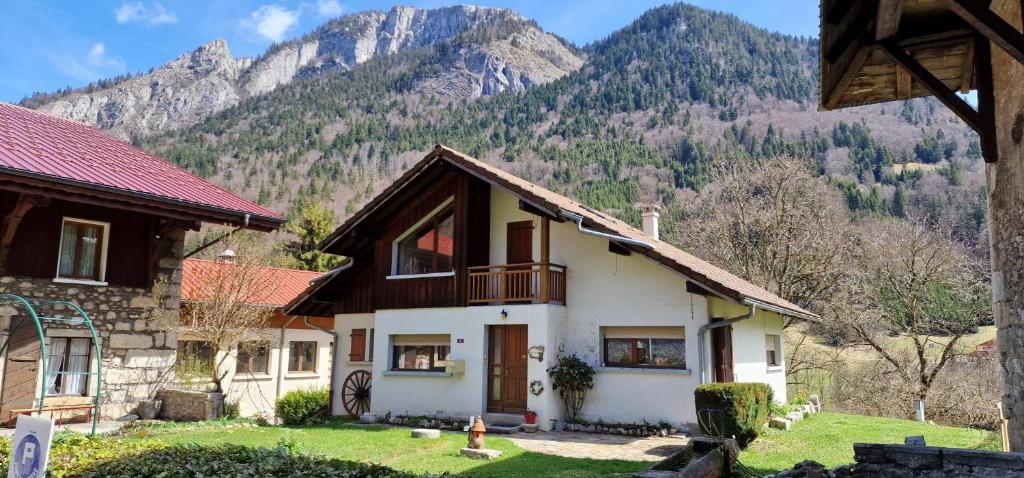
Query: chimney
point(227, 256)
point(650, 214)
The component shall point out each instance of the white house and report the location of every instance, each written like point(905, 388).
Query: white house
point(463, 284)
point(292, 353)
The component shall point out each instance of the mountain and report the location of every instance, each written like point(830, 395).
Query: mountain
point(507, 53)
point(644, 115)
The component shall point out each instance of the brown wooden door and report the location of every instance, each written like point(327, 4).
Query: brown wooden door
point(21, 369)
point(519, 281)
point(507, 361)
point(721, 351)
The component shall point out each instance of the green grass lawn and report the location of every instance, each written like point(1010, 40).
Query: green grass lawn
point(394, 448)
point(828, 438)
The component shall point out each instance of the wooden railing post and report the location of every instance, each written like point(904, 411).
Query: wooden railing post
point(545, 282)
point(502, 283)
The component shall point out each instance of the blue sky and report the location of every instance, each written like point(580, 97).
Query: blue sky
point(48, 45)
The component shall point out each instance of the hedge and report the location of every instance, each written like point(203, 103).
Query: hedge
point(77, 456)
point(739, 410)
point(299, 407)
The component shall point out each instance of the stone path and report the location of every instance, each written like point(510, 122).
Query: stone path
point(601, 447)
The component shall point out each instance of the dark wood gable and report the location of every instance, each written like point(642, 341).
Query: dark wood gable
point(365, 286)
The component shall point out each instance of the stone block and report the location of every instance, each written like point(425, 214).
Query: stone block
point(130, 341)
point(368, 418)
point(143, 302)
point(869, 453)
point(480, 454)
point(984, 459)
point(780, 423)
point(150, 358)
point(916, 457)
point(425, 433)
point(795, 416)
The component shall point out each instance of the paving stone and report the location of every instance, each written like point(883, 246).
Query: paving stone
point(602, 447)
point(482, 453)
point(426, 433)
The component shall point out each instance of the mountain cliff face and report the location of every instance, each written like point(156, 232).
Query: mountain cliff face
point(492, 50)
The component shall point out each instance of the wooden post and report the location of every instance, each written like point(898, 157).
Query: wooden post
point(545, 260)
point(1005, 184)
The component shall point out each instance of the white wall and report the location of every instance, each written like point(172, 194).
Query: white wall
point(343, 325)
point(431, 393)
point(749, 352)
point(256, 393)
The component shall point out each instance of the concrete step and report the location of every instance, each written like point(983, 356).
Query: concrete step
point(503, 429)
point(503, 419)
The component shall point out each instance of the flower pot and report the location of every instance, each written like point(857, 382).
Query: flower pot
point(531, 418)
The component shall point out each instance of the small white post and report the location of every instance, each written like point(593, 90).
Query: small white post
point(919, 410)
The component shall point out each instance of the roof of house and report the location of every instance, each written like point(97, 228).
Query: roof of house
point(38, 147)
point(702, 273)
point(287, 284)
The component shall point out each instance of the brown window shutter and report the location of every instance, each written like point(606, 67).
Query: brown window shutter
point(357, 353)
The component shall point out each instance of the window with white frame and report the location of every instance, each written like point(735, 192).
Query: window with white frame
point(773, 349)
point(67, 365)
point(302, 356)
point(645, 347)
point(420, 352)
point(83, 248)
point(428, 247)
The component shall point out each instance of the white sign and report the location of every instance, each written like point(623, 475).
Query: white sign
point(30, 448)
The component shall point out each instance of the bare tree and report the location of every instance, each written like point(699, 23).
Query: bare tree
point(920, 293)
point(229, 306)
point(776, 224)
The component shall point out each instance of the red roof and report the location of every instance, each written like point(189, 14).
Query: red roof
point(46, 147)
point(287, 283)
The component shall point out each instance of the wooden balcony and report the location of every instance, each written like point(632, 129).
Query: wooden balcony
point(527, 283)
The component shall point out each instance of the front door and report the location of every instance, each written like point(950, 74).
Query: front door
point(721, 351)
point(506, 378)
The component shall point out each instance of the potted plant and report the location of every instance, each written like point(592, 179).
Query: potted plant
point(531, 417)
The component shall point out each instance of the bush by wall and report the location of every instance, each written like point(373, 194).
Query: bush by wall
point(733, 409)
point(302, 406)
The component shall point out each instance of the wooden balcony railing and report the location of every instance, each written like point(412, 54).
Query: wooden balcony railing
point(527, 283)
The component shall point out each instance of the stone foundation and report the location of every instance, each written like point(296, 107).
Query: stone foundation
point(874, 461)
point(138, 354)
point(190, 406)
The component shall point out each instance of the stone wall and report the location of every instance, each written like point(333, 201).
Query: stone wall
point(138, 354)
point(876, 461)
point(190, 406)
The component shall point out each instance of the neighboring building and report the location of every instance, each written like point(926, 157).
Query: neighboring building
point(463, 283)
point(987, 349)
point(95, 221)
point(292, 353)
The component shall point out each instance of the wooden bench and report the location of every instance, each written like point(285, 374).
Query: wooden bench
point(59, 409)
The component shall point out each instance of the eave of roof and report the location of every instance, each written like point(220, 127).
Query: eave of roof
point(698, 271)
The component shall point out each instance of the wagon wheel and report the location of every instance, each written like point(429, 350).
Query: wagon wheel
point(355, 393)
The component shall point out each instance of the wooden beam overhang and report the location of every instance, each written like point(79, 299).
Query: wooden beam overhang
point(933, 84)
point(11, 221)
point(887, 21)
point(986, 22)
point(986, 98)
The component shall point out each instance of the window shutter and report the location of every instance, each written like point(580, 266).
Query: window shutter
point(357, 353)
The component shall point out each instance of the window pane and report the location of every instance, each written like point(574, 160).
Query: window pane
point(668, 353)
point(302, 357)
point(78, 365)
point(68, 245)
point(419, 357)
point(445, 243)
point(430, 248)
point(643, 352)
point(619, 351)
point(252, 359)
point(89, 261)
point(54, 365)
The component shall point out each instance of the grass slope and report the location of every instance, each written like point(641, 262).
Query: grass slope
point(394, 448)
point(828, 438)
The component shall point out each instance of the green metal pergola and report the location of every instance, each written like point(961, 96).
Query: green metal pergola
point(58, 312)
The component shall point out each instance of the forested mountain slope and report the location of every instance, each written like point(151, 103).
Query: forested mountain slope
point(646, 116)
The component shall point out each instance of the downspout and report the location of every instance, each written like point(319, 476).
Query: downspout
point(701, 361)
point(280, 359)
point(611, 237)
point(334, 358)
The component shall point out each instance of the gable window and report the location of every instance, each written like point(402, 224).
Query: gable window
point(302, 356)
point(420, 352)
point(429, 246)
point(67, 366)
point(645, 347)
point(773, 347)
point(253, 358)
point(83, 246)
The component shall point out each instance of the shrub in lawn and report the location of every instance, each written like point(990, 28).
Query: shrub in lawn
point(302, 406)
point(738, 410)
point(573, 378)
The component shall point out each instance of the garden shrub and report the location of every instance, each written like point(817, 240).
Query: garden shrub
point(303, 406)
point(572, 378)
point(739, 410)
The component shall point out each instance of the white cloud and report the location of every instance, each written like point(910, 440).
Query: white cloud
point(95, 64)
point(328, 8)
point(271, 21)
point(149, 15)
